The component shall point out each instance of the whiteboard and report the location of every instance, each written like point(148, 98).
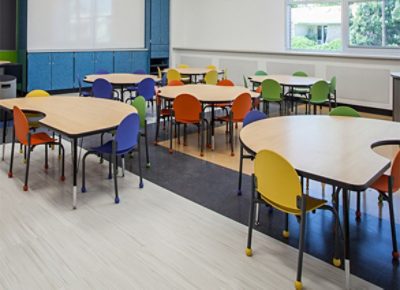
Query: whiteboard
point(85, 24)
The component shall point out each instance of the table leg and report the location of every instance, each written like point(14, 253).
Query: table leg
point(158, 114)
point(346, 236)
point(74, 170)
point(122, 93)
point(212, 126)
point(4, 132)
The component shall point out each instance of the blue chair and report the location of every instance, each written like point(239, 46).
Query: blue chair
point(133, 88)
point(102, 89)
point(102, 71)
point(82, 92)
point(127, 138)
point(252, 116)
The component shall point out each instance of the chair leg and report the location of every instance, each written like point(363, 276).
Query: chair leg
point(395, 253)
point(249, 251)
point(231, 137)
point(239, 192)
point(298, 284)
point(10, 172)
point(170, 137)
point(285, 232)
point(336, 259)
point(46, 157)
point(140, 163)
point(147, 146)
point(101, 143)
point(202, 137)
point(114, 159)
point(27, 167)
point(61, 147)
point(110, 168)
point(184, 135)
point(358, 211)
point(83, 189)
point(123, 165)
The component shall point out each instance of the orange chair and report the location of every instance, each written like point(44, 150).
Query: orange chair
point(226, 83)
point(165, 112)
point(240, 107)
point(187, 109)
point(386, 185)
point(25, 137)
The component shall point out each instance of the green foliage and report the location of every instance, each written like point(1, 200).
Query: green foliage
point(300, 42)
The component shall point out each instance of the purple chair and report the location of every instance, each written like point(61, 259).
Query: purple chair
point(102, 89)
point(133, 88)
point(146, 89)
point(127, 138)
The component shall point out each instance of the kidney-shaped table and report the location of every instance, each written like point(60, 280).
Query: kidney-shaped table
point(332, 150)
point(74, 117)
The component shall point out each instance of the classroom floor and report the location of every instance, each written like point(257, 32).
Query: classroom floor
point(199, 239)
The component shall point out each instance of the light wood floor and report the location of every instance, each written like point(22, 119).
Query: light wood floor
point(154, 239)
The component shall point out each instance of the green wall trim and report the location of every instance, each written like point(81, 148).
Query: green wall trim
point(9, 56)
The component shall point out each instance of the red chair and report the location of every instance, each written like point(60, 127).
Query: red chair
point(386, 185)
point(226, 83)
point(187, 109)
point(240, 107)
point(25, 137)
point(165, 110)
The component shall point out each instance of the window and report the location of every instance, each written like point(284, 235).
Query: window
point(374, 23)
point(315, 25)
point(335, 25)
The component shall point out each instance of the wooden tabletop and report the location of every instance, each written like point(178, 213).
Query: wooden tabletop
point(120, 79)
point(4, 62)
point(206, 93)
point(335, 150)
point(287, 80)
point(74, 116)
point(396, 75)
point(193, 70)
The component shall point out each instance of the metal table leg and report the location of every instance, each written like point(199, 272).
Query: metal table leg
point(4, 133)
point(346, 236)
point(74, 170)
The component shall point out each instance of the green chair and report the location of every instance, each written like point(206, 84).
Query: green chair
point(319, 95)
point(345, 111)
point(332, 91)
point(271, 93)
point(299, 94)
point(140, 105)
point(261, 73)
point(300, 74)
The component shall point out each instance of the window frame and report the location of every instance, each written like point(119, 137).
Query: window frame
point(345, 30)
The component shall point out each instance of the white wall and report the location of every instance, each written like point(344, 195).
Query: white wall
point(244, 36)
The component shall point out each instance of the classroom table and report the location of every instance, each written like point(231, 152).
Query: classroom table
point(121, 80)
point(74, 117)
point(208, 95)
point(332, 150)
point(193, 72)
point(4, 62)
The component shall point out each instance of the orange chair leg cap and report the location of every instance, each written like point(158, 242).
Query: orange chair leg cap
point(249, 252)
point(337, 262)
point(202, 154)
point(395, 255)
point(25, 188)
point(10, 174)
point(170, 151)
point(286, 234)
point(62, 178)
point(298, 285)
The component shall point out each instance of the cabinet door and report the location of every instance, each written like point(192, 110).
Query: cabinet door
point(164, 22)
point(123, 62)
point(141, 60)
point(62, 71)
point(39, 71)
point(156, 21)
point(84, 65)
point(104, 61)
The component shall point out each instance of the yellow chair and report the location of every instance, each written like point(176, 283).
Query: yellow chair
point(173, 75)
point(211, 78)
point(34, 94)
point(276, 183)
point(159, 73)
point(183, 66)
point(212, 67)
point(37, 93)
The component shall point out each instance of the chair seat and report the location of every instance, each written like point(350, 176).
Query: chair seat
point(183, 121)
point(301, 90)
point(382, 184)
point(40, 138)
point(86, 94)
point(165, 112)
point(223, 105)
point(107, 149)
point(132, 88)
point(226, 119)
point(272, 100)
point(312, 203)
point(318, 102)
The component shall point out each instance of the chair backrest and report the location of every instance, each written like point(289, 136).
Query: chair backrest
point(187, 108)
point(271, 90)
point(37, 93)
point(146, 89)
point(225, 83)
point(211, 78)
point(21, 125)
point(173, 74)
point(175, 83)
point(277, 181)
point(140, 105)
point(102, 71)
point(261, 73)
point(182, 65)
point(245, 84)
point(253, 116)
point(212, 67)
point(241, 106)
point(159, 72)
point(396, 172)
point(127, 132)
point(102, 89)
point(139, 72)
point(332, 85)
point(300, 74)
point(319, 91)
point(344, 111)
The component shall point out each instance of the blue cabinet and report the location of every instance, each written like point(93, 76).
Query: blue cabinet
point(104, 60)
point(123, 62)
point(159, 34)
point(62, 71)
point(39, 71)
point(141, 60)
point(84, 65)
